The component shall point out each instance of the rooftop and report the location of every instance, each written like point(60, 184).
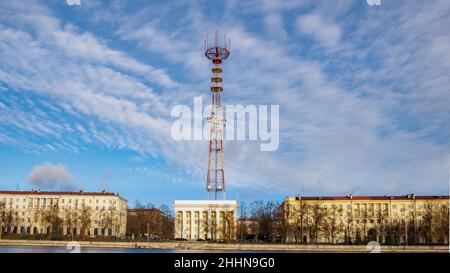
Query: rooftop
point(38, 192)
point(374, 197)
point(205, 202)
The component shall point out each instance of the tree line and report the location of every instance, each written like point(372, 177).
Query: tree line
point(150, 222)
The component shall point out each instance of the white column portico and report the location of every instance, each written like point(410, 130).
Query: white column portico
point(201, 227)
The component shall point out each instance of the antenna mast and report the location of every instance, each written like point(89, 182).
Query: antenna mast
point(215, 178)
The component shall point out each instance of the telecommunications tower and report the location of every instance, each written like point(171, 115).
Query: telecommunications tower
point(215, 178)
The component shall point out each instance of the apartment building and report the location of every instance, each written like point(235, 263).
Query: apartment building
point(66, 213)
point(386, 219)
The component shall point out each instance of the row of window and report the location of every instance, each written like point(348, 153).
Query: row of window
point(113, 208)
point(370, 209)
point(45, 201)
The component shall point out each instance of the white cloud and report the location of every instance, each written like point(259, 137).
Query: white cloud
point(51, 176)
point(85, 45)
point(326, 33)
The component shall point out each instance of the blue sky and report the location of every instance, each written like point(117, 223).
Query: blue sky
point(86, 93)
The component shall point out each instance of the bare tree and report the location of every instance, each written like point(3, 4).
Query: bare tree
point(2, 216)
point(85, 219)
point(210, 225)
point(317, 215)
point(266, 216)
point(427, 227)
point(53, 221)
point(331, 224)
point(302, 227)
point(381, 216)
point(108, 221)
point(441, 223)
point(243, 217)
point(165, 218)
point(227, 227)
point(70, 220)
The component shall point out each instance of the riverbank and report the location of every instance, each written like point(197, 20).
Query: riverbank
point(201, 246)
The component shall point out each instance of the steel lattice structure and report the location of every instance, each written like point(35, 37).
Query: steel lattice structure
point(215, 178)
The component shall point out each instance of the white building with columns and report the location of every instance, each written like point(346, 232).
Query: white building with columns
point(205, 219)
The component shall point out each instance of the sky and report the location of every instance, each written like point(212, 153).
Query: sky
point(86, 93)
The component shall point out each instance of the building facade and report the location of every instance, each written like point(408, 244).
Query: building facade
point(205, 219)
point(407, 219)
point(63, 213)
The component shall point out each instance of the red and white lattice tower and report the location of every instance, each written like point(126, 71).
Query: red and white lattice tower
point(215, 178)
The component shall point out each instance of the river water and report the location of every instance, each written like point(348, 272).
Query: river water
point(51, 249)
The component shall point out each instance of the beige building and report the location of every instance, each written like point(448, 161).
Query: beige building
point(205, 219)
point(386, 219)
point(65, 213)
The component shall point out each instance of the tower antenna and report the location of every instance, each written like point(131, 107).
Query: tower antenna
point(215, 178)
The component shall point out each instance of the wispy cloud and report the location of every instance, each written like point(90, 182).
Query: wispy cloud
point(326, 33)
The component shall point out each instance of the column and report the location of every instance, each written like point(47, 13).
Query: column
point(200, 224)
point(193, 224)
point(209, 223)
point(183, 218)
point(218, 227)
